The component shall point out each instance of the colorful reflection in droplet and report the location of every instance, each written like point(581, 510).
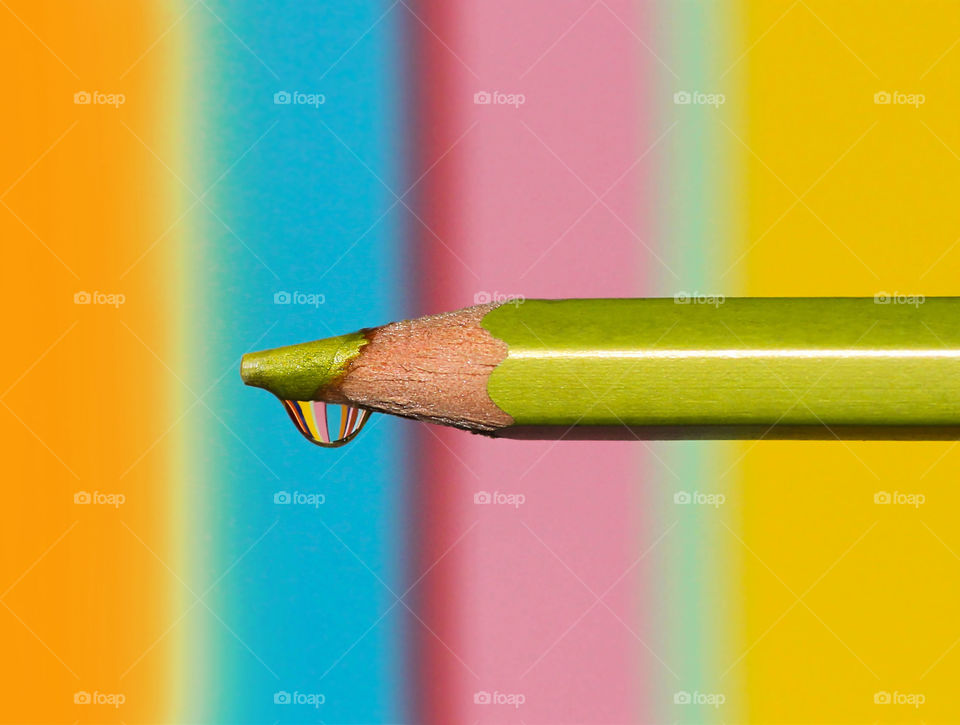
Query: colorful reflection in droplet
point(316, 420)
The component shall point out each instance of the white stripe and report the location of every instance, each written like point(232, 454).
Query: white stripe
point(739, 353)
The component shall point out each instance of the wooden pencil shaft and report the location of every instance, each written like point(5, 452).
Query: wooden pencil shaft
point(742, 362)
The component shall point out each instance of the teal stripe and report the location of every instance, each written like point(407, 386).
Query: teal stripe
point(693, 231)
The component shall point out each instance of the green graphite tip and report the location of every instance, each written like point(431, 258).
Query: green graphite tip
point(301, 372)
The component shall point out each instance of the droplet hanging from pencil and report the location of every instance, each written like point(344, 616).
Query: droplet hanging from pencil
point(312, 418)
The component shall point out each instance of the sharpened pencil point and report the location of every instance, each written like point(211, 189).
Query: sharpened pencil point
point(301, 372)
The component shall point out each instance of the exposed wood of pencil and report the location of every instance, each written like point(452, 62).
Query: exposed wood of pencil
point(433, 369)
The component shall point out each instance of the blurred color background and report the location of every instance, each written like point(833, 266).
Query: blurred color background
point(187, 180)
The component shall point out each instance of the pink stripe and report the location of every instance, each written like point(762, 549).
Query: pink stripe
point(514, 603)
point(320, 420)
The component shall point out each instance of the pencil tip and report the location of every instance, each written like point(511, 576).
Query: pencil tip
point(301, 372)
point(251, 368)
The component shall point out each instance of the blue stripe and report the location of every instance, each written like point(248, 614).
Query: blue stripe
point(298, 213)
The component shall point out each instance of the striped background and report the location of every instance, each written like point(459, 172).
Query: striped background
point(183, 594)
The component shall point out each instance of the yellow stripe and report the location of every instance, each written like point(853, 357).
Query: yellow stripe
point(846, 599)
point(311, 420)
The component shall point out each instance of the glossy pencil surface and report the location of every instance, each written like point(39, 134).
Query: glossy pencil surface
point(740, 361)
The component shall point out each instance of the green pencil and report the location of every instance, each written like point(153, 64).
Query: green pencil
point(857, 368)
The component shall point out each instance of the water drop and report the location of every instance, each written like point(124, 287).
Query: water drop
point(313, 419)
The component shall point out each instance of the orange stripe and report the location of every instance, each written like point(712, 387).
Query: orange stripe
point(85, 596)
